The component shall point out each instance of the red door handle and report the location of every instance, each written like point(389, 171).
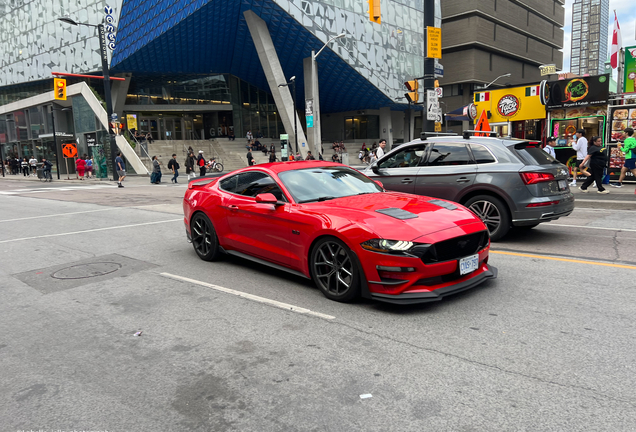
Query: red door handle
point(233, 207)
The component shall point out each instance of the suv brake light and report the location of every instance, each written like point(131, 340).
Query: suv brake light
point(536, 177)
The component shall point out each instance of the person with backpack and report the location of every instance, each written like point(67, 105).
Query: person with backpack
point(201, 163)
point(597, 161)
point(89, 166)
point(173, 165)
point(46, 169)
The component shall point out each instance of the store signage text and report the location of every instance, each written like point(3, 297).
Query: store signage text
point(508, 106)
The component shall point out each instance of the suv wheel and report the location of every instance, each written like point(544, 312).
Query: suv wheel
point(493, 212)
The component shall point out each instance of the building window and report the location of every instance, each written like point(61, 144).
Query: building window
point(362, 127)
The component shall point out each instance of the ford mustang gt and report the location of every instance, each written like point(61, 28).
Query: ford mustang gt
point(330, 223)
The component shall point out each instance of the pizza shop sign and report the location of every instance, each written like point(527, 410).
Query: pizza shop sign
point(508, 105)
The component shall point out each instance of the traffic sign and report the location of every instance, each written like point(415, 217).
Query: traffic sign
point(482, 124)
point(432, 106)
point(434, 42)
point(439, 70)
point(439, 91)
point(310, 121)
point(438, 127)
point(69, 150)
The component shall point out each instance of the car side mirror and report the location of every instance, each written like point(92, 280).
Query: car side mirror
point(375, 169)
point(379, 183)
point(266, 198)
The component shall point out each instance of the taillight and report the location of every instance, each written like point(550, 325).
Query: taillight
point(542, 204)
point(536, 177)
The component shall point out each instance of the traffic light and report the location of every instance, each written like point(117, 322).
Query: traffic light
point(374, 11)
point(59, 90)
point(412, 96)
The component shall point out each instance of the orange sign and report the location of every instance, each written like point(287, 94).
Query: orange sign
point(483, 125)
point(69, 150)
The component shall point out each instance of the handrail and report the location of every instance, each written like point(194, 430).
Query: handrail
point(139, 144)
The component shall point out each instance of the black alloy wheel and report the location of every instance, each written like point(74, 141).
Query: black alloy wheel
point(204, 239)
point(334, 270)
point(493, 214)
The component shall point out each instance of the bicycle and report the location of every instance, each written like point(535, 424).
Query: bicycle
point(216, 166)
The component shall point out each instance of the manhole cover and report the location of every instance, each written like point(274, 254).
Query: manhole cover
point(84, 271)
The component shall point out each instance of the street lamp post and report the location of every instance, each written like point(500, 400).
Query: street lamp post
point(316, 94)
point(500, 76)
point(292, 82)
point(1, 156)
point(107, 93)
point(57, 157)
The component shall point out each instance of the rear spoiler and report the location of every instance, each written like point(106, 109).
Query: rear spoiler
point(526, 144)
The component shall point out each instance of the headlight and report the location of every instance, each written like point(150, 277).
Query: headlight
point(387, 246)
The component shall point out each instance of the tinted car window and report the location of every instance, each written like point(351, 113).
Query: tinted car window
point(481, 154)
point(253, 183)
point(229, 184)
point(533, 155)
point(407, 157)
point(443, 154)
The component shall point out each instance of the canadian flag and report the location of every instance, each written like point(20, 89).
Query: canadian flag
point(482, 97)
point(617, 42)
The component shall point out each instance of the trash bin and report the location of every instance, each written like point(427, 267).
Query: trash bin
point(40, 173)
point(345, 158)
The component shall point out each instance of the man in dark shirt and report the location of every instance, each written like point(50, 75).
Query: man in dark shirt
point(174, 166)
point(250, 158)
point(121, 169)
point(597, 160)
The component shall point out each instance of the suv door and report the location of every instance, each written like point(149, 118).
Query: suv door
point(398, 171)
point(449, 169)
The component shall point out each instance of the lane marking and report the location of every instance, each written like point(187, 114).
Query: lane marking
point(564, 259)
point(590, 227)
point(252, 297)
point(603, 201)
point(59, 214)
point(91, 230)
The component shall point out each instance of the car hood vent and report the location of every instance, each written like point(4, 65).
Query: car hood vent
point(397, 213)
point(444, 204)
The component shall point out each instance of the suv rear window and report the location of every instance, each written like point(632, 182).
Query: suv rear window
point(533, 155)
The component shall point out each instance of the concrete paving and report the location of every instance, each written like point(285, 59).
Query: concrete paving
point(546, 346)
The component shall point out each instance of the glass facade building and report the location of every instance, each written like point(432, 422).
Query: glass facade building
point(590, 21)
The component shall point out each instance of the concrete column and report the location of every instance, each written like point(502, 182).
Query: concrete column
point(275, 75)
point(314, 134)
point(386, 127)
point(119, 91)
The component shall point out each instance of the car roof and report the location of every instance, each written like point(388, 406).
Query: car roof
point(507, 141)
point(279, 167)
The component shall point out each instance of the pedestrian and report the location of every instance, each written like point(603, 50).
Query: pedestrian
point(34, 165)
point(46, 169)
point(298, 156)
point(189, 164)
point(25, 167)
point(629, 149)
point(249, 137)
point(201, 163)
point(380, 150)
point(310, 156)
point(155, 177)
point(272, 153)
point(250, 158)
point(581, 151)
point(549, 146)
point(335, 158)
point(121, 169)
point(80, 166)
point(597, 161)
point(173, 165)
point(89, 166)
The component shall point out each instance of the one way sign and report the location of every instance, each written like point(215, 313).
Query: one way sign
point(433, 111)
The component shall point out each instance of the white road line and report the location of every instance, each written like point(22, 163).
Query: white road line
point(91, 230)
point(252, 297)
point(604, 201)
point(589, 227)
point(60, 214)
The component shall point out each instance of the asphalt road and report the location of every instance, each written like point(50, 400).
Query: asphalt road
point(546, 346)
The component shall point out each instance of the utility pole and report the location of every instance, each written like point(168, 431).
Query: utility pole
point(429, 62)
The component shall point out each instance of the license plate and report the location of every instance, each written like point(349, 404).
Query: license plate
point(468, 264)
point(562, 185)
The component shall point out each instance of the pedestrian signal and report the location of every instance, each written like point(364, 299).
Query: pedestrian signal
point(412, 96)
point(374, 11)
point(59, 90)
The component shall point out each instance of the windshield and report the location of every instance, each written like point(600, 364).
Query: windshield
point(320, 184)
point(532, 155)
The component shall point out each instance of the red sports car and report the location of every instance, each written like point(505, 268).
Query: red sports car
point(329, 222)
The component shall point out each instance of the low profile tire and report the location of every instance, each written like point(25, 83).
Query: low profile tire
point(493, 212)
point(334, 270)
point(204, 239)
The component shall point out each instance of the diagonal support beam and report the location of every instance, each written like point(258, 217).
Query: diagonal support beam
point(275, 75)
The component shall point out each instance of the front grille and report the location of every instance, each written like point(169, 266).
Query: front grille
point(455, 248)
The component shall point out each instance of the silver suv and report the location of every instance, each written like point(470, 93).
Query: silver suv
point(505, 181)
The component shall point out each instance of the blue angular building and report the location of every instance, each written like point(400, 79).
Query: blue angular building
point(193, 71)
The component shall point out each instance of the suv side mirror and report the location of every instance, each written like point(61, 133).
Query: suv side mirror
point(375, 169)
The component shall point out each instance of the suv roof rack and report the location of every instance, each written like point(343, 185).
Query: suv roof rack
point(425, 135)
point(468, 133)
